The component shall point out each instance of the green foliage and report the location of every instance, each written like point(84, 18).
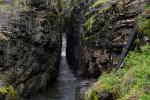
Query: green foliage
point(6, 89)
point(1, 1)
point(97, 25)
point(89, 22)
point(131, 81)
point(98, 2)
point(143, 21)
point(12, 8)
point(9, 91)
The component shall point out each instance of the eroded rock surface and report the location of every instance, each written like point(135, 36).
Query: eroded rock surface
point(99, 32)
point(30, 50)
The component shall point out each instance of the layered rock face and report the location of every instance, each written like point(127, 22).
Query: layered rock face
point(30, 46)
point(99, 31)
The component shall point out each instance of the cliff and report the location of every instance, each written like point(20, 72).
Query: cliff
point(99, 31)
point(30, 44)
point(102, 32)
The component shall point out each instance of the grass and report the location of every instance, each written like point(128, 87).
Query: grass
point(132, 82)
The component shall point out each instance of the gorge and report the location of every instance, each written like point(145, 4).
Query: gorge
point(74, 49)
point(65, 86)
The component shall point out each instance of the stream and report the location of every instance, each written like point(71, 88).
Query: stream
point(65, 85)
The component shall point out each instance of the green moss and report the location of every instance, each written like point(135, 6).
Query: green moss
point(98, 2)
point(6, 89)
point(9, 91)
point(105, 10)
point(91, 37)
point(16, 5)
point(98, 23)
point(131, 81)
point(54, 18)
point(89, 22)
point(143, 21)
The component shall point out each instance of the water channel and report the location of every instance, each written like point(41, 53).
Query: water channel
point(65, 85)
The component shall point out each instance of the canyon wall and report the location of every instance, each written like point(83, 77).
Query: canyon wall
point(30, 44)
point(99, 31)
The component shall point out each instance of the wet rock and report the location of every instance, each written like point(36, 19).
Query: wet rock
point(105, 96)
point(81, 88)
point(94, 71)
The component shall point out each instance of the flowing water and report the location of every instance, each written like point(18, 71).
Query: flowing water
point(65, 85)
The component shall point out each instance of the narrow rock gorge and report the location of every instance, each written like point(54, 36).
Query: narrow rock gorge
point(74, 49)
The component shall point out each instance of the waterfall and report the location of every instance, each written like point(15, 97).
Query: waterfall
point(64, 45)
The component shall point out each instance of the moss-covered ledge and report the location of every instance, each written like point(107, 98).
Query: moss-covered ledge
point(131, 81)
point(7, 92)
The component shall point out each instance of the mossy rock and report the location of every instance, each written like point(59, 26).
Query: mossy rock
point(143, 21)
point(97, 25)
point(6, 91)
point(98, 3)
point(129, 82)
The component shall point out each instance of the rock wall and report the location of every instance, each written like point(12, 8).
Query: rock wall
point(30, 46)
point(102, 29)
